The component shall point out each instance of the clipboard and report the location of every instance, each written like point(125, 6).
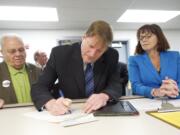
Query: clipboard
point(120, 108)
point(172, 118)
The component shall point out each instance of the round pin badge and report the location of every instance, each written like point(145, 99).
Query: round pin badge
point(6, 83)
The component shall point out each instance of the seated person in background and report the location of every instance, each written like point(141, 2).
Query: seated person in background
point(154, 71)
point(123, 72)
point(84, 70)
point(41, 59)
point(16, 76)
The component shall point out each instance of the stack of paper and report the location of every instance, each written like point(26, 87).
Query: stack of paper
point(75, 118)
point(78, 120)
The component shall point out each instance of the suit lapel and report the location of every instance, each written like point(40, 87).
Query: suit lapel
point(77, 70)
point(6, 76)
point(147, 62)
point(99, 68)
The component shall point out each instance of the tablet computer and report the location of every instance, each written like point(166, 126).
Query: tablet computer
point(120, 108)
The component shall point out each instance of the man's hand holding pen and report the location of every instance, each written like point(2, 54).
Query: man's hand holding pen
point(58, 106)
point(62, 105)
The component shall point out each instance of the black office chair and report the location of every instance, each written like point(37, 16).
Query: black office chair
point(123, 72)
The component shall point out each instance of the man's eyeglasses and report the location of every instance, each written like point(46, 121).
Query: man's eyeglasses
point(13, 51)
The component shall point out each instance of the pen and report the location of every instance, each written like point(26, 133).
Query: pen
point(61, 93)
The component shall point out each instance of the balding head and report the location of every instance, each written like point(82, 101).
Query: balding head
point(6, 37)
point(13, 51)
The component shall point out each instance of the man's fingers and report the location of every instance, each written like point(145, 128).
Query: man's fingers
point(95, 107)
point(67, 102)
point(91, 108)
point(87, 107)
point(95, 102)
point(57, 107)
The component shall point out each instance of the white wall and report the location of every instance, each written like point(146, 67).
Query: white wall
point(129, 36)
point(46, 39)
point(43, 40)
point(174, 39)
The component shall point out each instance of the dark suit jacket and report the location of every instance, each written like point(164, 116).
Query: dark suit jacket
point(8, 93)
point(123, 73)
point(66, 64)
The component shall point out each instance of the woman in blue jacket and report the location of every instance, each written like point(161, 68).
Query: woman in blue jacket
point(154, 71)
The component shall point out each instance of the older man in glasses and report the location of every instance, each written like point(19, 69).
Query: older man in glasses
point(16, 76)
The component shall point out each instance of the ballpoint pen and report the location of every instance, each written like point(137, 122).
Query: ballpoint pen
point(61, 93)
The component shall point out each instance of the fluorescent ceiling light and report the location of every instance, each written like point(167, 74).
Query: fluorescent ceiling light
point(154, 16)
point(18, 13)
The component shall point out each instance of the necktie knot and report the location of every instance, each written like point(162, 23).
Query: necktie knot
point(88, 67)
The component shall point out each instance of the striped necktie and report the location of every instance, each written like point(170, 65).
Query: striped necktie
point(89, 80)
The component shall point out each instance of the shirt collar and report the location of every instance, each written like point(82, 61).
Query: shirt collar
point(85, 65)
point(14, 71)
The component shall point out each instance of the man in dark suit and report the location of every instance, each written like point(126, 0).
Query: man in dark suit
point(16, 76)
point(69, 63)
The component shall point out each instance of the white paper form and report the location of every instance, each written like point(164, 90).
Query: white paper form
point(76, 117)
point(151, 104)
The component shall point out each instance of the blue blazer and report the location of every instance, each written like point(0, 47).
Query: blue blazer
point(144, 77)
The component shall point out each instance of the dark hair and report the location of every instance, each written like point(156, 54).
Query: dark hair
point(162, 44)
point(102, 29)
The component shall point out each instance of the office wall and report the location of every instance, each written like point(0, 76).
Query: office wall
point(174, 39)
point(41, 39)
point(46, 39)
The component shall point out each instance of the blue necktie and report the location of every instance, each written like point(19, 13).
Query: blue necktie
point(89, 80)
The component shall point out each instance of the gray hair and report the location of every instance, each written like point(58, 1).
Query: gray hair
point(6, 36)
